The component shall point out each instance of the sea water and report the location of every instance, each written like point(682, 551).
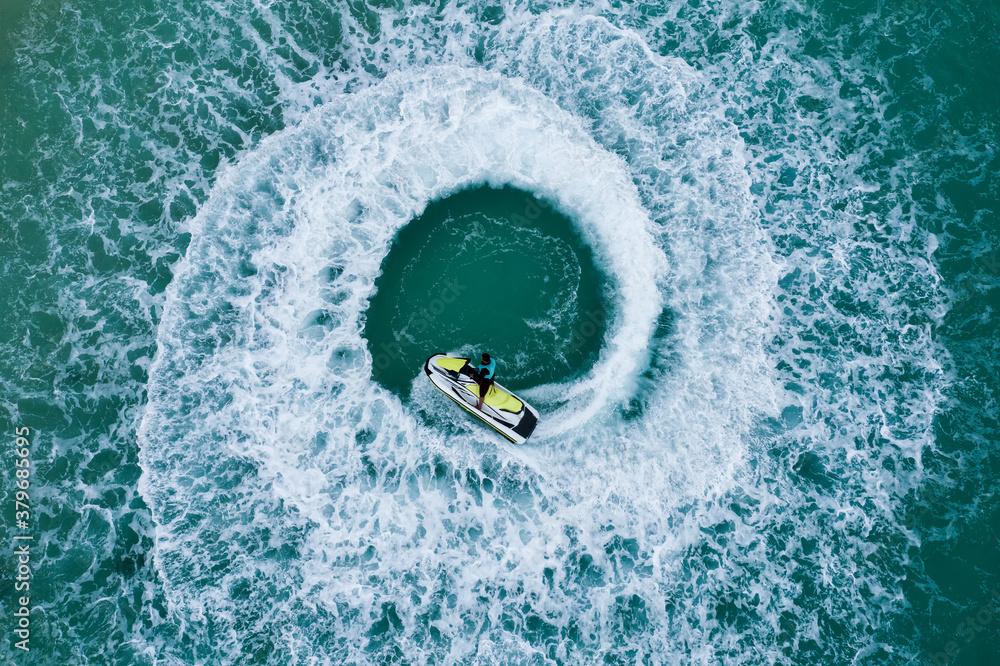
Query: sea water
point(496, 270)
point(774, 444)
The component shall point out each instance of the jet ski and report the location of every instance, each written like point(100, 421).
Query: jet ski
point(502, 410)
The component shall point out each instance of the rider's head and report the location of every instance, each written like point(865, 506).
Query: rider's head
point(485, 358)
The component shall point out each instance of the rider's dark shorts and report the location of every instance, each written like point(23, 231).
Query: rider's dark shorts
point(484, 384)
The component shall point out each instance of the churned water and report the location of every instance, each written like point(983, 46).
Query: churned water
point(750, 250)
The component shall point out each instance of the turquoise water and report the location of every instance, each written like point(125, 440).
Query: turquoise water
point(487, 270)
point(780, 450)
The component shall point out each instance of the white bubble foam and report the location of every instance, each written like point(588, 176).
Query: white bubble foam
point(655, 478)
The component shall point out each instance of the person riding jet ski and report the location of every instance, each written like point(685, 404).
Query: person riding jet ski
point(484, 376)
point(475, 390)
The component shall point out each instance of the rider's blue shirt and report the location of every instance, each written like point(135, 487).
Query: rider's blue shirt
point(488, 369)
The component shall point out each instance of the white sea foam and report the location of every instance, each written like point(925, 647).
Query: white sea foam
point(305, 516)
point(650, 485)
point(333, 191)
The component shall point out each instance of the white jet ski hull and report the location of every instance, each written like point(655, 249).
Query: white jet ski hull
point(503, 411)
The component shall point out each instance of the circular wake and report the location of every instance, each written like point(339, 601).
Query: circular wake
point(769, 456)
point(269, 414)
